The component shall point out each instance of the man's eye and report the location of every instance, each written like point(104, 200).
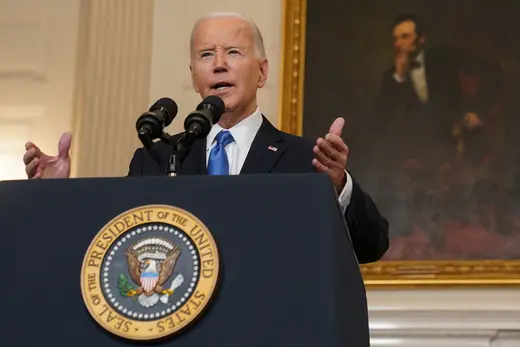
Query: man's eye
point(205, 54)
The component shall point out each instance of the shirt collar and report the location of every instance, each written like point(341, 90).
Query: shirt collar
point(244, 132)
point(420, 57)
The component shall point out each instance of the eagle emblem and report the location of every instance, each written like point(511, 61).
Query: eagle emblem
point(151, 262)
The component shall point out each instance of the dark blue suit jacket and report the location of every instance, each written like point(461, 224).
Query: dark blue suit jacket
point(368, 228)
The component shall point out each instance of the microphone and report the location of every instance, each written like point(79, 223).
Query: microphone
point(208, 112)
point(197, 126)
point(150, 124)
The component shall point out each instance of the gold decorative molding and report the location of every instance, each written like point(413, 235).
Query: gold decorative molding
point(292, 67)
point(441, 273)
point(382, 274)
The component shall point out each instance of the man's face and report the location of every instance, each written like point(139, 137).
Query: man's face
point(406, 40)
point(225, 62)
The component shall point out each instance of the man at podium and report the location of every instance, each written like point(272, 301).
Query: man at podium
point(228, 60)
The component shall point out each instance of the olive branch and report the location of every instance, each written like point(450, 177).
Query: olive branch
point(125, 287)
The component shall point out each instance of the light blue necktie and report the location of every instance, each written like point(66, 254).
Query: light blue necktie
point(218, 161)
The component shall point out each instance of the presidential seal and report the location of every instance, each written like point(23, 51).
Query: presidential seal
point(150, 272)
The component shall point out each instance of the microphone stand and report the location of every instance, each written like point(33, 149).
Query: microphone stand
point(174, 162)
point(179, 150)
point(147, 141)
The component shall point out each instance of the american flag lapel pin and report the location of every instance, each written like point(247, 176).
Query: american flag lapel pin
point(272, 148)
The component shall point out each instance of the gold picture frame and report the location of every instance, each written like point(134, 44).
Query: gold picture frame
point(383, 274)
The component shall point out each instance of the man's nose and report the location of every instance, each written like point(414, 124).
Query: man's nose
point(220, 62)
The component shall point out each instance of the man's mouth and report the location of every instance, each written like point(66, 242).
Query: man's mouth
point(222, 86)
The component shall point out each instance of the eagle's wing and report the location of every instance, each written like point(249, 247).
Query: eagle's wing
point(134, 266)
point(168, 264)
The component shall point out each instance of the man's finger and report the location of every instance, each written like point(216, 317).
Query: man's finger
point(319, 166)
point(32, 153)
point(336, 142)
point(327, 148)
point(323, 158)
point(30, 145)
point(337, 126)
point(31, 168)
point(64, 145)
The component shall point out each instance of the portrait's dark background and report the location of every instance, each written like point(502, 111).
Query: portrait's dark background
point(449, 190)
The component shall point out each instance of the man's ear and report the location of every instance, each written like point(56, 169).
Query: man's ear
point(193, 83)
point(264, 70)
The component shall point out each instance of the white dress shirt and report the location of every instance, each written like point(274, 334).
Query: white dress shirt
point(244, 134)
point(418, 77)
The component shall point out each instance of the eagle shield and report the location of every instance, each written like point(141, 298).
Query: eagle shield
point(149, 280)
point(151, 262)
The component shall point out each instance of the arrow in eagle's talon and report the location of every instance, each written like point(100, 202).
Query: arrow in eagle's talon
point(168, 292)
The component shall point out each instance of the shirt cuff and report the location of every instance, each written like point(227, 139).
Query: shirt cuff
point(346, 193)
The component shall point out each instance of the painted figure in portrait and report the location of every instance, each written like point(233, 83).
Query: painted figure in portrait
point(431, 96)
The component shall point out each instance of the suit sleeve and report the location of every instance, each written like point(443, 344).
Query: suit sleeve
point(136, 164)
point(369, 230)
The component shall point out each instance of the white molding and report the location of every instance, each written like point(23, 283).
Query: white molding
point(445, 317)
point(492, 299)
point(455, 320)
point(467, 338)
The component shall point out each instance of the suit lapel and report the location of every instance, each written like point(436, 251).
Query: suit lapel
point(195, 162)
point(266, 149)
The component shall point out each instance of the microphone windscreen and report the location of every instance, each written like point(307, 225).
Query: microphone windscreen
point(216, 102)
point(169, 105)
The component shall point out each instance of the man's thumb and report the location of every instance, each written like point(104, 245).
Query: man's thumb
point(64, 145)
point(337, 126)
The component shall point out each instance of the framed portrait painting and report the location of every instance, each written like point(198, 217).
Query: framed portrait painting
point(430, 92)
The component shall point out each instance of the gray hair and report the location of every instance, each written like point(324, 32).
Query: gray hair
point(259, 41)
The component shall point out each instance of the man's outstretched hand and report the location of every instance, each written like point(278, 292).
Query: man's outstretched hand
point(41, 165)
point(331, 154)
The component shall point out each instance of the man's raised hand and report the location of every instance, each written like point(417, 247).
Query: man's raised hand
point(41, 165)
